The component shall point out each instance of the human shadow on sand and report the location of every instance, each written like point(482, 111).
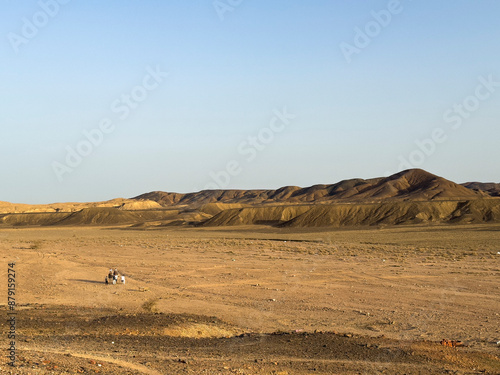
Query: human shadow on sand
point(88, 281)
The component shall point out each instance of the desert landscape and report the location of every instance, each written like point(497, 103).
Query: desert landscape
point(250, 187)
point(395, 275)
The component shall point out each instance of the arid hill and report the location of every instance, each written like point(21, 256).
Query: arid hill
point(124, 204)
point(489, 188)
point(410, 197)
point(362, 214)
point(413, 184)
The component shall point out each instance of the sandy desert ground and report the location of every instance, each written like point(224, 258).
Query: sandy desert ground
point(255, 300)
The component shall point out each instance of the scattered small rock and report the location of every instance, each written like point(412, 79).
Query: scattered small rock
point(451, 343)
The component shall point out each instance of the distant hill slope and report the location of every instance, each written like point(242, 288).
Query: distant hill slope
point(410, 197)
point(362, 214)
point(396, 213)
point(412, 184)
point(124, 204)
point(489, 188)
point(99, 216)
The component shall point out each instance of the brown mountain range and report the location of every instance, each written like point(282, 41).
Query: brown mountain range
point(490, 188)
point(413, 184)
point(409, 197)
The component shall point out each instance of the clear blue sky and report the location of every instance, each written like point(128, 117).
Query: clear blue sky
point(229, 70)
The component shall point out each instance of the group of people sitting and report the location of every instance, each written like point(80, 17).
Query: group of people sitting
point(113, 277)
